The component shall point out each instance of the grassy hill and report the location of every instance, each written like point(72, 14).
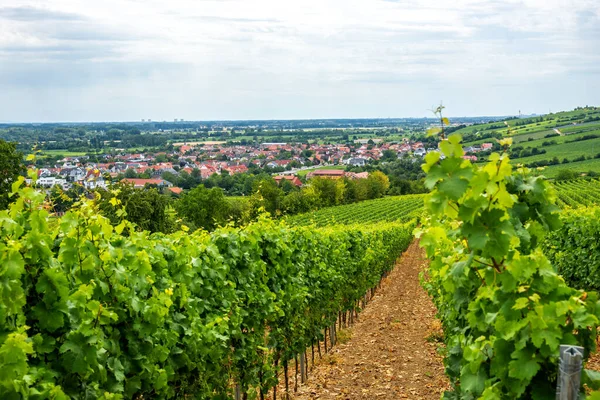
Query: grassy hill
point(563, 140)
point(531, 125)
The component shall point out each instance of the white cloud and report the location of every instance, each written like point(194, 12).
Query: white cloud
point(130, 59)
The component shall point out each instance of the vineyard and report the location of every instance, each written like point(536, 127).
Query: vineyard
point(578, 193)
point(92, 310)
point(387, 209)
point(88, 310)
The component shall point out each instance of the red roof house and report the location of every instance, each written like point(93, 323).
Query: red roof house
point(292, 178)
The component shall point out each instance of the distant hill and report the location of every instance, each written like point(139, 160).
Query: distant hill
point(562, 140)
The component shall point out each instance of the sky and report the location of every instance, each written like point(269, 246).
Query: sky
point(127, 60)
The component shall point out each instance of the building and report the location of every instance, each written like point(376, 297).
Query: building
point(141, 183)
point(175, 190)
point(359, 175)
point(278, 163)
point(50, 181)
point(356, 161)
point(326, 173)
point(292, 178)
point(420, 152)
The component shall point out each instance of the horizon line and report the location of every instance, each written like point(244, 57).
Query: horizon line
point(256, 120)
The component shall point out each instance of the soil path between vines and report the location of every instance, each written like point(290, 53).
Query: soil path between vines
point(392, 353)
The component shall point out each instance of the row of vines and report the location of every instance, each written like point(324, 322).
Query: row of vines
point(578, 193)
point(574, 249)
point(88, 310)
point(504, 308)
point(387, 209)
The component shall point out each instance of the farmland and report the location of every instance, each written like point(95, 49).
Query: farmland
point(388, 209)
point(578, 193)
point(566, 140)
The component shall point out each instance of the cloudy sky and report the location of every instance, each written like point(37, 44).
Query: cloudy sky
point(124, 60)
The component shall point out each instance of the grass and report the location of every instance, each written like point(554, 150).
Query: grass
point(64, 153)
point(344, 336)
point(579, 166)
point(558, 139)
point(565, 150)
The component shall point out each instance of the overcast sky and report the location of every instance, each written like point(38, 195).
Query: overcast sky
point(124, 60)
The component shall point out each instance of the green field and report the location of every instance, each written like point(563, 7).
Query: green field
point(587, 148)
point(579, 166)
point(64, 153)
point(533, 133)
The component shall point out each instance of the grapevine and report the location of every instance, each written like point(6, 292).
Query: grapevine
point(88, 310)
point(504, 309)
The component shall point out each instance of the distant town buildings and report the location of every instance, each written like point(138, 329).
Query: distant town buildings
point(205, 159)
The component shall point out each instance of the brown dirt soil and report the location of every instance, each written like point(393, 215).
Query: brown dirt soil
point(392, 352)
point(594, 361)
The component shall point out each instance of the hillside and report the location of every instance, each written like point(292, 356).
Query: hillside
point(564, 140)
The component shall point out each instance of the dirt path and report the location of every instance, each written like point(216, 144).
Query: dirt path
point(391, 353)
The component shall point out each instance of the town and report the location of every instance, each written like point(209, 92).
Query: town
point(205, 159)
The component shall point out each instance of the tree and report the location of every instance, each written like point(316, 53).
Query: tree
point(147, 208)
point(62, 200)
point(350, 193)
point(130, 173)
point(11, 166)
point(203, 208)
point(378, 184)
point(566, 175)
point(268, 195)
point(389, 155)
point(328, 192)
point(295, 203)
point(287, 186)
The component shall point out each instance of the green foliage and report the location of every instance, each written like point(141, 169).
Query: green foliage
point(267, 195)
point(326, 192)
point(11, 166)
point(92, 310)
point(504, 309)
point(573, 248)
point(147, 208)
point(203, 208)
point(378, 184)
point(566, 175)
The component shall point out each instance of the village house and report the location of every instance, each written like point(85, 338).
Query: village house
point(420, 152)
point(292, 178)
point(326, 173)
point(356, 161)
point(141, 183)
